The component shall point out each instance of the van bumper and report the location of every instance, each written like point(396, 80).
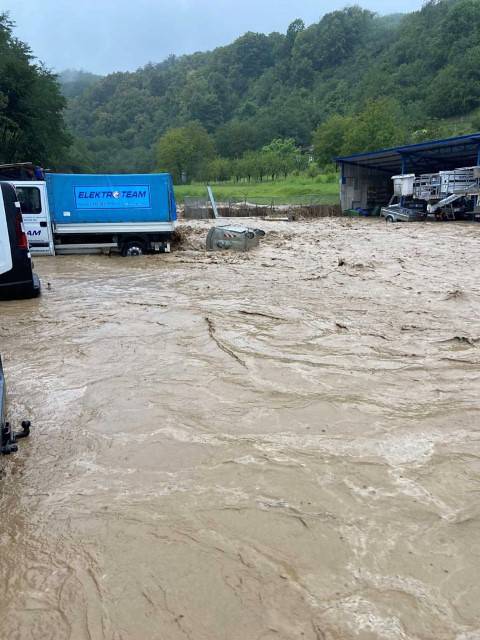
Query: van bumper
point(22, 289)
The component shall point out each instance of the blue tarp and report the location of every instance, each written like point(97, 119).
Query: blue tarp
point(90, 198)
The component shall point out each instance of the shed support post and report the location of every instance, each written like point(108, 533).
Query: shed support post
point(342, 185)
point(404, 170)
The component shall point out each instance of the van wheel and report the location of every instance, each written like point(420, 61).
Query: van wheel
point(133, 248)
point(389, 219)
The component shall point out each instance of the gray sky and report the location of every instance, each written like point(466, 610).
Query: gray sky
point(113, 35)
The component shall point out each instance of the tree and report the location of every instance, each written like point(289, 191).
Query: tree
point(282, 156)
point(251, 55)
point(182, 151)
point(335, 38)
point(201, 103)
point(250, 165)
point(302, 73)
point(380, 124)
point(460, 25)
point(294, 28)
point(31, 105)
point(476, 121)
point(244, 167)
point(236, 137)
point(219, 169)
point(455, 91)
point(329, 138)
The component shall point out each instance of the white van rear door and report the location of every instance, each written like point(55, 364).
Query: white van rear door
point(32, 198)
point(5, 250)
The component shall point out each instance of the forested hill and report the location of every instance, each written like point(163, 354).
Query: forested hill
point(411, 71)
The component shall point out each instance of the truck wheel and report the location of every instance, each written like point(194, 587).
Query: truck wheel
point(389, 219)
point(133, 248)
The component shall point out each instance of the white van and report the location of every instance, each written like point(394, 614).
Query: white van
point(17, 278)
point(5, 249)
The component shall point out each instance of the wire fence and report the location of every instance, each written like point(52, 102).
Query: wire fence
point(310, 206)
point(276, 201)
point(197, 208)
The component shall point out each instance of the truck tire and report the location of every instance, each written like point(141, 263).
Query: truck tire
point(389, 219)
point(133, 248)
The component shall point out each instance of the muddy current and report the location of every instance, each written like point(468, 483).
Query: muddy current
point(277, 445)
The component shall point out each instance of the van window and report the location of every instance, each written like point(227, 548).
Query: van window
point(29, 198)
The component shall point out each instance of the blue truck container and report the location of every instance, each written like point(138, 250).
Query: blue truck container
point(85, 213)
point(84, 198)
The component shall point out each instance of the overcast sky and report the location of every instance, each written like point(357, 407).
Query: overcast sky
point(111, 35)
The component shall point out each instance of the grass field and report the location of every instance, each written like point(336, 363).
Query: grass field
point(294, 189)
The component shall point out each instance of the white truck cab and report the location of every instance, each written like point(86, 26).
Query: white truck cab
point(36, 216)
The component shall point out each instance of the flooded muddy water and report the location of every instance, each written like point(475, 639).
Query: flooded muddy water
point(277, 445)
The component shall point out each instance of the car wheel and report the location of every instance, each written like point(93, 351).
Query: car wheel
point(389, 219)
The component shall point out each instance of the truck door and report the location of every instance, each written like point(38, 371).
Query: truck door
point(5, 249)
point(36, 216)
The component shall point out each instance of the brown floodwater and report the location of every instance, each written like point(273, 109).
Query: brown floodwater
point(277, 445)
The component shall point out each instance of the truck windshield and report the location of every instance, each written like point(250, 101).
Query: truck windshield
point(29, 198)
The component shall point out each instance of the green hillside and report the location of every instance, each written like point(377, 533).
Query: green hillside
point(424, 65)
point(261, 107)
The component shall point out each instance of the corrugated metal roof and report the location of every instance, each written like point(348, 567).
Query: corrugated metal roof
point(422, 157)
